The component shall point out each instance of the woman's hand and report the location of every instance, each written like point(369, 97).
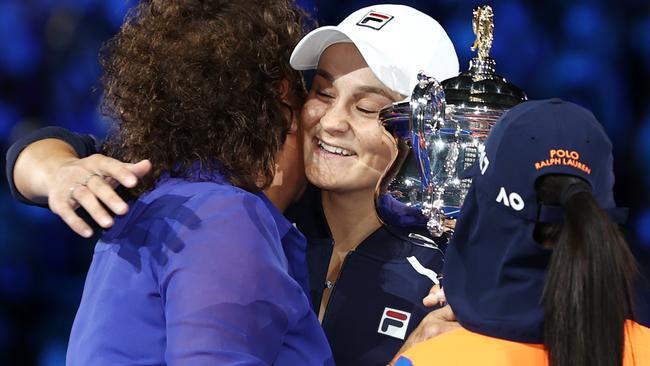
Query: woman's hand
point(436, 297)
point(49, 171)
point(89, 183)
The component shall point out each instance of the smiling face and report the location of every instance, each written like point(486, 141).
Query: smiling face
point(345, 147)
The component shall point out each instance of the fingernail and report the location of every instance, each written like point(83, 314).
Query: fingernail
point(106, 221)
point(87, 233)
point(131, 181)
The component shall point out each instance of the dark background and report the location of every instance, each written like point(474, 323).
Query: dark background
point(594, 53)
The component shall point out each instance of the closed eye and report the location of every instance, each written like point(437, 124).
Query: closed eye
point(323, 94)
point(366, 111)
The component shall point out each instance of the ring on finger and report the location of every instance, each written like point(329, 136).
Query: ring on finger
point(88, 177)
point(72, 189)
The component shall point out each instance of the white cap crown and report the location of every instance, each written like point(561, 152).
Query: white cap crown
point(396, 41)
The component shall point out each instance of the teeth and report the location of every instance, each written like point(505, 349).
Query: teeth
point(334, 149)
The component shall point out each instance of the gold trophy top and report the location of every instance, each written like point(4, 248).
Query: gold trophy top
point(483, 27)
point(480, 84)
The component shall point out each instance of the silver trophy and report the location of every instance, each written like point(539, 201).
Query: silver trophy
point(440, 132)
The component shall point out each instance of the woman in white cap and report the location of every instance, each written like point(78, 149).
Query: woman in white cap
point(367, 279)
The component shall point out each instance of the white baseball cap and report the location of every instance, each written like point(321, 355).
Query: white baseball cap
point(396, 41)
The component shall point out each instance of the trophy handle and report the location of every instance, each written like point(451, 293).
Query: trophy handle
point(410, 179)
point(428, 106)
point(428, 113)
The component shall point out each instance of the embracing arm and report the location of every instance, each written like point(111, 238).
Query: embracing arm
point(45, 169)
point(33, 158)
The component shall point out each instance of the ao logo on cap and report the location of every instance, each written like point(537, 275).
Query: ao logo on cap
point(513, 199)
point(394, 323)
point(375, 20)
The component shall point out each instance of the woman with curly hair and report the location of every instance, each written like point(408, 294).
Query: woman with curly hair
point(203, 269)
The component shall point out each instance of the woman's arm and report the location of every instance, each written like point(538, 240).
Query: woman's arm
point(44, 168)
point(36, 165)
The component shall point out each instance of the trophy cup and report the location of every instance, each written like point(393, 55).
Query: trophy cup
point(440, 131)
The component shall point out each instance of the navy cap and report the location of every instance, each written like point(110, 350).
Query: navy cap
point(494, 270)
point(543, 137)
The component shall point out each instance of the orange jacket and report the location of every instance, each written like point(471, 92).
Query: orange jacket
point(464, 348)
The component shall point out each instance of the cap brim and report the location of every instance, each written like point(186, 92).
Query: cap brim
point(307, 52)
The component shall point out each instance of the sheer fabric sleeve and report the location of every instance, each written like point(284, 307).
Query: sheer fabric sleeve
point(228, 298)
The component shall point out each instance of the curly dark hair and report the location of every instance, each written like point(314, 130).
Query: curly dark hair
point(190, 81)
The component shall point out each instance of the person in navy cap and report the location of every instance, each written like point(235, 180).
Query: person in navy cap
point(538, 272)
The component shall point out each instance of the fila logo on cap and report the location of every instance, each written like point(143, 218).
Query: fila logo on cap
point(375, 20)
point(394, 323)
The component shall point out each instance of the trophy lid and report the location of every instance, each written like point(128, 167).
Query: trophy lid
point(480, 84)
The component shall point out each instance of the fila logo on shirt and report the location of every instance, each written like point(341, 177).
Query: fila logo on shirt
point(394, 323)
point(375, 20)
point(513, 199)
